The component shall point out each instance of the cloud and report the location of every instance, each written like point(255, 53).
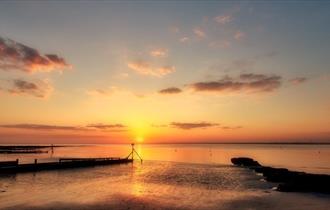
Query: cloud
point(187, 126)
point(159, 53)
point(159, 125)
point(107, 92)
point(174, 29)
point(171, 90)
point(239, 35)
point(17, 56)
point(231, 127)
point(108, 127)
point(145, 68)
point(90, 127)
point(244, 83)
point(223, 19)
point(105, 126)
point(298, 80)
point(184, 39)
point(41, 127)
point(100, 92)
point(220, 44)
point(199, 32)
point(38, 88)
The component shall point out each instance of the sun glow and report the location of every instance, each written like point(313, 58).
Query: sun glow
point(139, 139)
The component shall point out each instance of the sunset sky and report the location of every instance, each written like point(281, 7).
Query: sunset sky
point(164, 71)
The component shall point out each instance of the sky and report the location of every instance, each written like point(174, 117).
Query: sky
point(164, 71)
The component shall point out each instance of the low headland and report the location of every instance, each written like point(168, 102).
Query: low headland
point(22, 149)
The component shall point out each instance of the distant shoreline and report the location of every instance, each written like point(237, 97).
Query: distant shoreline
point(33, 145)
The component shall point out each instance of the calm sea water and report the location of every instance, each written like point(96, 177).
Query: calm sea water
point(309, 158)
point(171, 177)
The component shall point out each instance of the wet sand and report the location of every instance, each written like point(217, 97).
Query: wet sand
point(151, 185)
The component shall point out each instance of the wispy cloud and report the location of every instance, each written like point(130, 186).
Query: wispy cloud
point(17, 56)
point(41, 127)
point(171, 90)
point(192, 125)
point(90, 127)
point(244, 83)
point(199, 32)
point(298, 80)
point(184, 39)
point(105, 126)
point(239, 35)
point(159, 125)
point(107, 92)
point(100, 92)
point(145, 68)
point(231, 127)
point(159, 53)
point(37, 88)
point(223, 19)
point(108, 127)
point(220, 44)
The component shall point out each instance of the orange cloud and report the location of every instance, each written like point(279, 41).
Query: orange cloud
point(90, 127)
point(145, 68)
point(231, 127)
point(298, 80)
point(159, 53)
point(194, 125)
point(17, 56)
point(41, 127)
point(105, 126)
point(199, 32)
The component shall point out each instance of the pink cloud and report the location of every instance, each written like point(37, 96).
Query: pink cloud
point(17, 56)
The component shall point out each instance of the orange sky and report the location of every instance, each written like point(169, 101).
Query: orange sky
point(122, 72)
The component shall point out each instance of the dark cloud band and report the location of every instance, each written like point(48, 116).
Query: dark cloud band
point(245, 82)
point(171, 90)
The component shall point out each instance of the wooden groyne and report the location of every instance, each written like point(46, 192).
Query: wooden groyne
point(63, 163)
point(7, 167)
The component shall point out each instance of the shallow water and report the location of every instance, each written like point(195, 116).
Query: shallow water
point(308, 158)
point(171, 177)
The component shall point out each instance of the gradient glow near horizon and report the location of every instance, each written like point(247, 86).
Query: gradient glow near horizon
point(164, 71)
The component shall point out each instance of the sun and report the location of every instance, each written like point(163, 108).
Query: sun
point(139, 139)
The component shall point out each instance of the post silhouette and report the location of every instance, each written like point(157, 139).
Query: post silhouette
point(132, 153)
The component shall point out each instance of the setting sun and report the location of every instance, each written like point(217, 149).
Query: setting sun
point(139, 139)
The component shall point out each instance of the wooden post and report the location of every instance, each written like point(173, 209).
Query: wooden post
point(16, 161)
point(35, 161)
point(132, 151)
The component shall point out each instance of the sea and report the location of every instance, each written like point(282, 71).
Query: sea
point(171, 176)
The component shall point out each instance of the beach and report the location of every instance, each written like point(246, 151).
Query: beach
point(206, 183)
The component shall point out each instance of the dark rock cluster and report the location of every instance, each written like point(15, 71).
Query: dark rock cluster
point(289, 181)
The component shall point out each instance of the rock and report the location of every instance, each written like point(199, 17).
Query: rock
point(290, 181)
point(244, 161)
point(306, 183)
